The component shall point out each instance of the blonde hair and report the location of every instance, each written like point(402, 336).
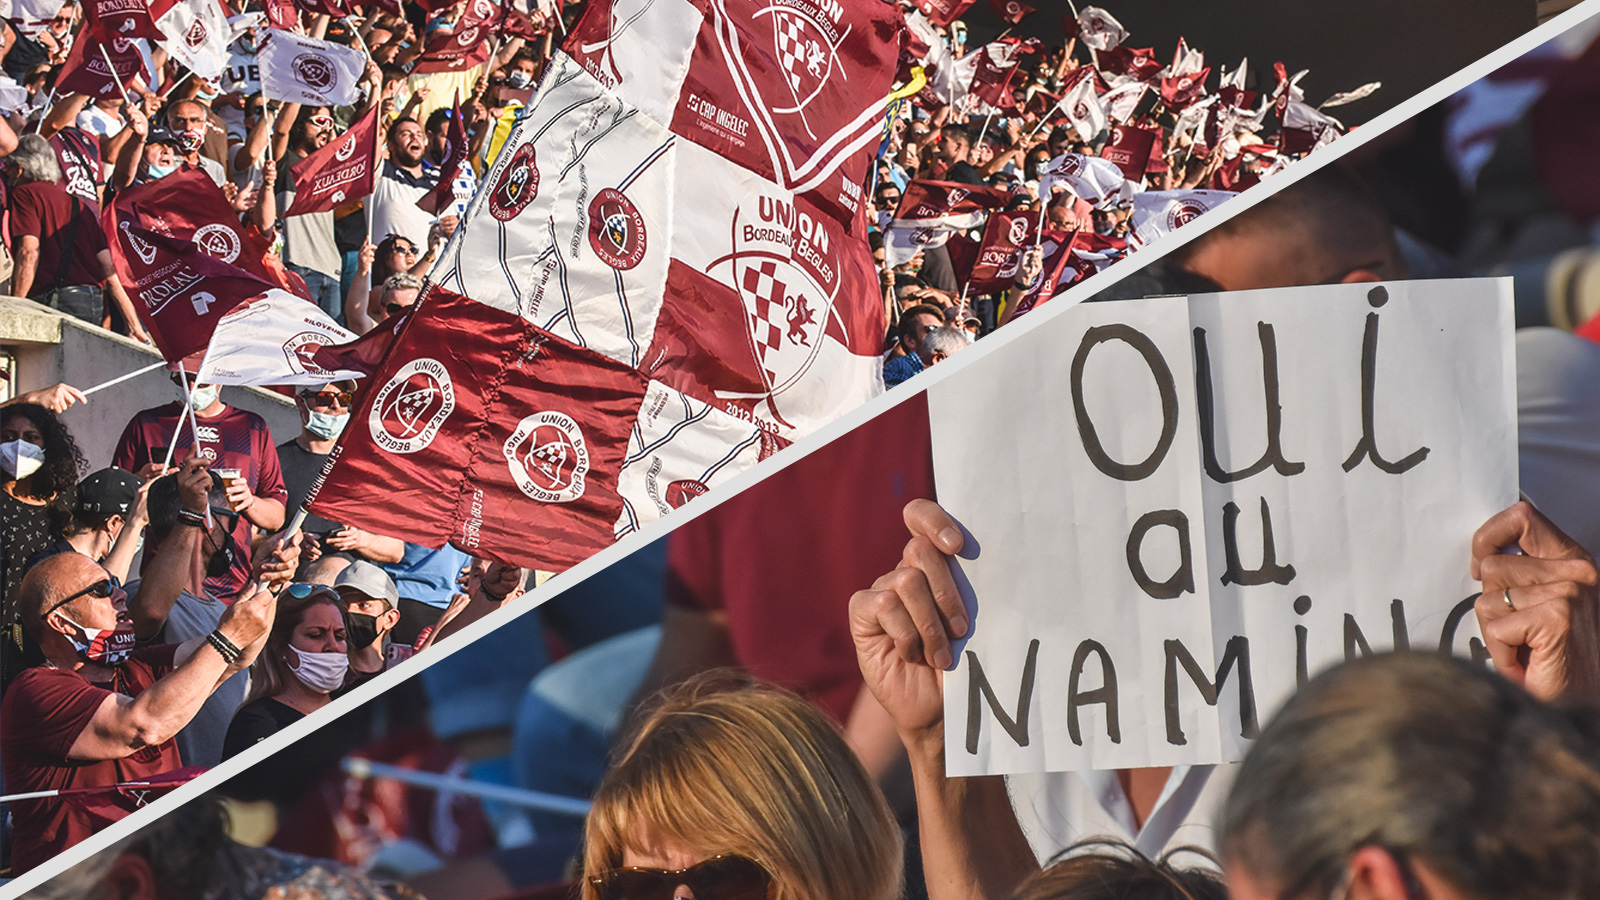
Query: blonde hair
point(269, 674)
point(752, 771)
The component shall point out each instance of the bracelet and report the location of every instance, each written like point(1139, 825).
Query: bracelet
point(490, 595)
point(191, 518)
point(225, 648)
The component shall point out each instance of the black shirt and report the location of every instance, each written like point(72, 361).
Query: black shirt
point(300, 470)
point(964, 173)
point(25, 530)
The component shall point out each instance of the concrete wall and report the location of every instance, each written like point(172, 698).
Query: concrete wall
point(51, 348)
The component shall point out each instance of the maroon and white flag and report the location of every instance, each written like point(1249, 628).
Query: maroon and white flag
point(1129, 149)
point(1306, 128)
point(1099, 29)
point(86, 70)
point(282, 14)
point(1013, 11)
point(443, 196)
point(178, 290)
point(1083, 109)
point(302, 69)
point(994, 264)
point(188, 206)
point(1179, 91)
point(1089, 178)
point(662, 278)
point(1156, 213)
point(942, 12)
point(195, 33)
point(930, 211)
point(127, 19)
point(1121, 101)
point(464, 46)
point(1138, 63)
point(1057, 249)
point(341, 170)
point(274, 339)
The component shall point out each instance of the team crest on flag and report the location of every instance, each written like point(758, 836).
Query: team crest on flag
point(219, 241)
point(682, 491)
point(411, 407)
point(197, 35)
point(808, 51)
point(616, 229)
point(517, 185)
point(301, 351)
point(313, 71)
point(548, 457)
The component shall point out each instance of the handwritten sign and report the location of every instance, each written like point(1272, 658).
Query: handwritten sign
point(1182, 507)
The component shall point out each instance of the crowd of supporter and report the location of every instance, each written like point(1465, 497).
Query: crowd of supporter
point(157, 618)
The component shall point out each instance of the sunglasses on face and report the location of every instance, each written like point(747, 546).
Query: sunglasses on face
point(100, 590)
point(718, 878)
point(408, 251)
point(322, 121)
point(328, 398)
point(394, 308)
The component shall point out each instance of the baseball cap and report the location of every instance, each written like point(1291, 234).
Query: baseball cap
point(161, 134)
point(109, 492)
point(369, 580)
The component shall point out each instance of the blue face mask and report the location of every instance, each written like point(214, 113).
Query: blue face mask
point(158, 172)
point(208, 96)
point(326, 426)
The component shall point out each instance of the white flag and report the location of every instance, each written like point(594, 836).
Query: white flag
point(1186, 61)
point(1099, 29)
point(299, 69)
point(197, 33)
point(1235, 79)
point(1120, 102)
point(1083, 109)
point(1157, 212)
point(273, 340)
point(1089, 178)
point(1340, 99)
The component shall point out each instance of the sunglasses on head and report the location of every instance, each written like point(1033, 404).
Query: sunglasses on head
point(100, 590)
point(301, 590)
point(328, 398)
point(718, 878)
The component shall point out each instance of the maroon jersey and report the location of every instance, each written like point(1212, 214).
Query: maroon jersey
point(237, 439)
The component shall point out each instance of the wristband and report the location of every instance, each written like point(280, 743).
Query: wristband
point(491, 596)
point(191, 518)
point(225, 648)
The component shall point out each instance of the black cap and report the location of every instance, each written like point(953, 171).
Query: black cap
point(108, 492)
point(160, 134)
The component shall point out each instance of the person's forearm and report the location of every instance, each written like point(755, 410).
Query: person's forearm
point(165, 577)
point(355, 304)
point(120, 559)
point(380, 549)
point(972, 846)
point(63, 113)
point(127, 163)
point(160, 711)
point(282, 123)
point(478, 606)
point(265, 513)
point(26, 264)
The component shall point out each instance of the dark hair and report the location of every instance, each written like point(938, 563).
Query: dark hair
point(910, 315)
point(381, 270)
point(57, 479)
point(1115, 870)
point(297, 131)
point(1427, 756)
point(438, 120)
point(956, 131)
point(162, 505)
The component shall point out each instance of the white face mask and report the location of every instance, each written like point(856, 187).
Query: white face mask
point(20, 459)
point(322, 672)
point(326, 426)
point(203, 396)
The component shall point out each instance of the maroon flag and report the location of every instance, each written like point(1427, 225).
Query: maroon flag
point(86, 72)
point(341, 170)
point(127, 19)
point(480, 429)
point(282, 14)
point(1183, 90)
point(942, 12)
point(464, 46)
point(365, 354)
point(991, 79)
point(517, 24)
point(1135, 62)
point(1130, 149)
point(1042, 104)
point(994, 266)
point(188, 206)
point(1057, 246)
point(332, 8)
point(444, 194)
point(178, 290)
point(1012, 11)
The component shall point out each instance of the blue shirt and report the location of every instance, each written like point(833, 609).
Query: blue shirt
point(900, 368)
point(428, 576)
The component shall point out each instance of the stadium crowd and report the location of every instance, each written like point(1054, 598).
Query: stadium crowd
point(691, 690)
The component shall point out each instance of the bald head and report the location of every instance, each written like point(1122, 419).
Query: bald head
point(1325, 229)
point(48, 582)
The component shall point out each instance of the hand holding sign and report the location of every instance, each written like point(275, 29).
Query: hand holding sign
point(904, 624)
point(1539, 611)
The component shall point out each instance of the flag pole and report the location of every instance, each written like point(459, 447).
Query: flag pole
point(114, 76)
point(49, 101)
point(121, 378)
point(172, 445)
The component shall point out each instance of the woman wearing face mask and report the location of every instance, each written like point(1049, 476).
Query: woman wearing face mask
point(302, 665)
point(39, 462)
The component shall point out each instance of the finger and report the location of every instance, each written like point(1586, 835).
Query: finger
point(935, 566)
point(915, 596)
point(1521, 525)
point(1494, 613)
point(928, 519)
point(1508, 570)
point(888, 616)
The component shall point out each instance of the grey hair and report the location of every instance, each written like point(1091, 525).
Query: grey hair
point(946, 340)
point(402, 281)
point(1428, 757)
point(36, 161)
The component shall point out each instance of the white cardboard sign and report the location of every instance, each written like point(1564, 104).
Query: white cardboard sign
point(1180, 507)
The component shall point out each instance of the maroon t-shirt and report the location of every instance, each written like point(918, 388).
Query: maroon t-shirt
point(783, 558)
point(237, 439)
point(44, 210)
point(78, 151)
point(44, 711)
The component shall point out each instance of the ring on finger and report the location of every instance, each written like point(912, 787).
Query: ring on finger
point(1506, 596)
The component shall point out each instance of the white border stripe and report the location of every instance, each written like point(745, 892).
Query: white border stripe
point(993, 343)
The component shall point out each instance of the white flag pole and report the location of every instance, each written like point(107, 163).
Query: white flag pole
point(172, 445)
point(121, 378)
point(114, 76)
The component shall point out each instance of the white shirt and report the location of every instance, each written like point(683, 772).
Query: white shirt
point(1059, 809)
point(99, 122)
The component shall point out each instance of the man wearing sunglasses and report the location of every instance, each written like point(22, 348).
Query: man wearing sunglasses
point(324, 413)
point(916, 324)
point(100, 711)
point(230, 438)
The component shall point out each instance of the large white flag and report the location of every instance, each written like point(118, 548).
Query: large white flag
point(1083, 109)
point(273, 340)
point(1099, 29)
point(1090, 178)
point(196, 33)
point(300, 69)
